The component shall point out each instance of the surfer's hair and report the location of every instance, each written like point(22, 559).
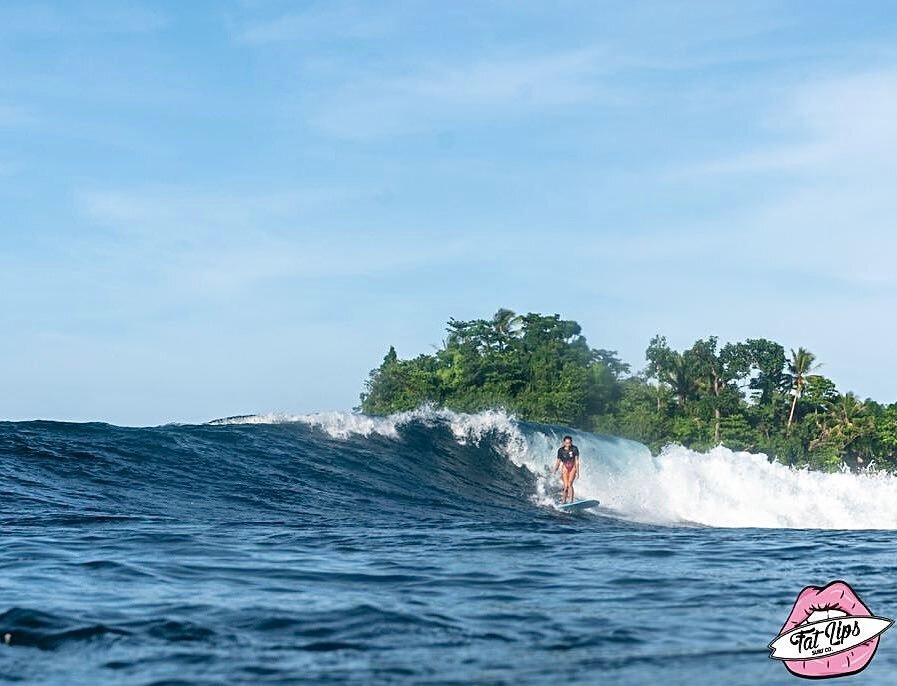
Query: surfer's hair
point(566, 437)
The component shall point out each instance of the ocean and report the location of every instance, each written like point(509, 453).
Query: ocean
point(423, 548)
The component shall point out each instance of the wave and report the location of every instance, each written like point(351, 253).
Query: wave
point(725, 488)
point(327, 469)
point(718, 488)
point(26, 627)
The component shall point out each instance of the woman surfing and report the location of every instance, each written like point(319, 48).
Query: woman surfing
point(568, 462)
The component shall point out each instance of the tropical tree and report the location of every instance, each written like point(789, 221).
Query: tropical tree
point(717, 373)
point(507, 325)
point(542, 368)
point(886, 435)
point(766, 361)
point(669, 368)
point(704, 361)
point(801, 364)
point(847, 420)
point(659, 356)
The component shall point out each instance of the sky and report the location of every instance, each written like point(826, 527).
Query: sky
point(216, 208)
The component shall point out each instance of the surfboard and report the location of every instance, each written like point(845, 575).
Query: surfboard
point(579, 505)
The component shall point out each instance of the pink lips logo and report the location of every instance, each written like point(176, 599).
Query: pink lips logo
point(829, 633)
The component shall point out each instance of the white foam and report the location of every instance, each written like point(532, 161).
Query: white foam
point(737, 489)
point(719, 488)
point(725, 488)
point(467, 428)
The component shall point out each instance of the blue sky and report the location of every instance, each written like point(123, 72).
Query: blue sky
point(211, 208)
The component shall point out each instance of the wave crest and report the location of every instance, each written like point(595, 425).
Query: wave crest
point(342, 425)
point(718, 488)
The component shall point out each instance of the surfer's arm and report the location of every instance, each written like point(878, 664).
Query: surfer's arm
point(557, 463)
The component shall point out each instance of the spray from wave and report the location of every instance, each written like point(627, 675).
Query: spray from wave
point(720, 488)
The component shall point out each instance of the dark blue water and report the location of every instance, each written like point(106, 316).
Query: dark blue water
point(282, 554)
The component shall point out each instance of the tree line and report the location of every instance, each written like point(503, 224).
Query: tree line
point(751, 395)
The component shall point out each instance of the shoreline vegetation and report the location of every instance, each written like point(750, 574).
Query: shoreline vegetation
point(753, 395)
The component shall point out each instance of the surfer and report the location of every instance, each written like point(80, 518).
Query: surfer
point(568, 462)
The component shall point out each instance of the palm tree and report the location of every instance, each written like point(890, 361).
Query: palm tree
point(848, 413)
point(507, 325)
point(802, 363)
point(846, 419)
point(680, 378)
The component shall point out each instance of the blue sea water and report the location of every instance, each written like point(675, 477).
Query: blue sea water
point(424, 548)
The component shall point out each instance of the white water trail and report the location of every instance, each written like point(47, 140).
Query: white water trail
point(719, 488)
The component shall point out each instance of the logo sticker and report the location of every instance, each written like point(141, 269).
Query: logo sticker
point(829, 633)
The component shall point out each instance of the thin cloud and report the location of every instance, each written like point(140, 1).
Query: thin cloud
point(203, 244)
point(162, 212)
point(325, 22)
point(843, 127)
point(831, 215)
point(441, 95)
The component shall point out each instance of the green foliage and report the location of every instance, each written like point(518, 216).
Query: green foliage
point(746, 395)
point(538, 366)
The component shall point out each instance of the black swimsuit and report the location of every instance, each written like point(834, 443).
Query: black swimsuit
point(568, 457)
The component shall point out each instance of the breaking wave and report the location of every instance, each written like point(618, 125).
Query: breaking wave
point(719, 488)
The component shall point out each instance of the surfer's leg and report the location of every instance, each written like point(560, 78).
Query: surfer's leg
point(565, 475)
point(572, 479)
